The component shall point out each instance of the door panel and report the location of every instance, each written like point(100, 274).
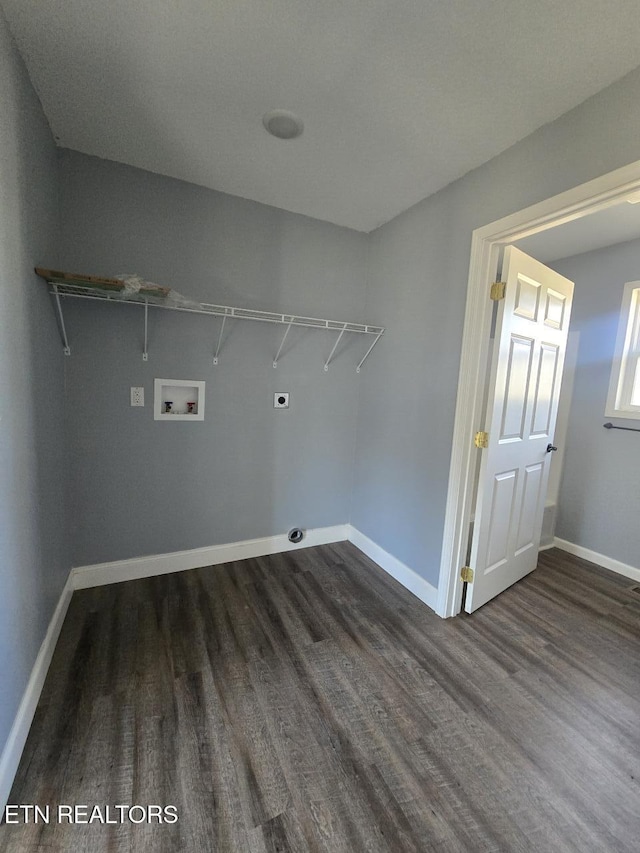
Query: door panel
point(527, 298)
point(545, 389)
point(515, 398)
point(530, 498)
point(504, 488)
point(526, 372)
point(554, 315)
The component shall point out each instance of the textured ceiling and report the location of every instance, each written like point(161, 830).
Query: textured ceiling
point(398, 97)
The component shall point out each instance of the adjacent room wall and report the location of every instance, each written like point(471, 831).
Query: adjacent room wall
point(141, 487)
point(33, 556)
point(418, 268)
point(599, 502)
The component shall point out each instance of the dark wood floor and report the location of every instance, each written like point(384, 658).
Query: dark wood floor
point(306, 702)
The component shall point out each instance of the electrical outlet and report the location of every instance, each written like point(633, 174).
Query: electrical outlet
point(281, 400)
point(137, 396)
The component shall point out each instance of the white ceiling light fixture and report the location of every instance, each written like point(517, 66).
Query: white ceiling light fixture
point(282, 124)
point(634, 199)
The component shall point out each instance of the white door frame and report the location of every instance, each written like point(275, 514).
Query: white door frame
point(486, 243)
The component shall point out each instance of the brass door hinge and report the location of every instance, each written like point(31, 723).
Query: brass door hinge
point(466, 574)
point(481, 439)
point(498, 289)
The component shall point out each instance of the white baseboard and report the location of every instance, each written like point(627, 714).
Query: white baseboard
point(600, 559)
point(100, 574)
point(409, 579)
point(178, 561)
point(14, 746)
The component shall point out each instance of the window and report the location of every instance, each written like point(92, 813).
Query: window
point(624, 390)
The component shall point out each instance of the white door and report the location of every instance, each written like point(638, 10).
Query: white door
point(524, 388)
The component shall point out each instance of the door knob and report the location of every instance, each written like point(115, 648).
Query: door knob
point(551, 448)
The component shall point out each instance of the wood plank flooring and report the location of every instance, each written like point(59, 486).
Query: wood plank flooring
point(306, 702)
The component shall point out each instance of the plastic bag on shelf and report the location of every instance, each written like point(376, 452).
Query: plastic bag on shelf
point(135, 286)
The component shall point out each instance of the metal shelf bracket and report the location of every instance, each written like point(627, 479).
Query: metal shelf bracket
point(284, 338)
point(215, 358)
point(145, 354)
point(63, 330)
point(335, 347)
point(368, 352)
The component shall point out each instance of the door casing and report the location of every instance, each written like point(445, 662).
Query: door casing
point(486, 245)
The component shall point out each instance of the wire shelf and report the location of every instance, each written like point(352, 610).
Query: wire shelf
point(62, 289)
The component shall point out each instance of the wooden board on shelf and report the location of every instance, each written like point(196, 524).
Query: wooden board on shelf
point(95, 281)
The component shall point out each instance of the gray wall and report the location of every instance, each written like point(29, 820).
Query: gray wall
point(599, 502)
point(418, 271)
point(33, 556)
point(143, 487)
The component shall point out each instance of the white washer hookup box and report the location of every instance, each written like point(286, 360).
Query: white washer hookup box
point(178, 400)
